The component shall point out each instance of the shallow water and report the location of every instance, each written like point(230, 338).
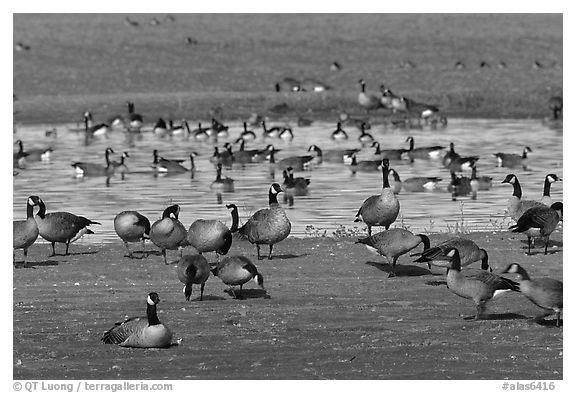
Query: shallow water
point(335, 193)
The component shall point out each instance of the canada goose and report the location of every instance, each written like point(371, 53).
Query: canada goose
point(362, 166)
point(510, 160)
point(237, 270)
point(183, 129)
point(288, 84)
point(243, 156)
point(347, 120)
point(479, 183)
point(219, 129)
point(247, 135)
point(211, 235)
point(92, 130)
point(459, 185)
point(422, 152)
point(468, 251)
point(391, 154)
point(61, 227)
point(164, 165)
point(393, 243)
point(339, 134)
point(25, 232)
point(476, 284)
point(168, 233)
point(380, 210)
point(91, 169)
point(273, 132)
point(220, 184)
point(435, 120)
point(160, 128)
point(135, 120)
point(313, 85)
point(544, 292)
point(193, 269)
point(200, 133)
point(539, 221)
point(225, 157)
point(268, 226)
point(555, 103)
point(367, 101)
point(516, 205)
point(336, 155)
point(387, 97)
point(413, 184)
point(115, 121)
point(31, 155)
point(548, 180)
point(421, 109)
point(455, 162)
point(365, 137)
point(335, 66)
point(120, 167)
point(264, 154)
point(297, 162)
point(286, 134)
point(294, 186)
point(141, 332)
point(132, 227)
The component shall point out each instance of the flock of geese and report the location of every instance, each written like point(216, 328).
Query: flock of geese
point(270, 225)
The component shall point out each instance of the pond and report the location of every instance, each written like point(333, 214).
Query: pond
point(335, 192)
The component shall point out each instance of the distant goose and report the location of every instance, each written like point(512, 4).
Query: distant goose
point(243, 156)
point(380, 210)
point(267, 226)
point(299, 163)
point(365, 137)
point(336, 155)
point(413, 184)
point(264, 154)
point(25, 232)
point(454, 162)
point(219, 129)
point(40, 154)
point(225, 157)
point(555, 104)
point(181, 130)
point(339, 134)
point(201, 133)
point(335, 66)
point(61, 227)
point(120, 167)
point(193, 269)
point(468, 251)
point(394, 243)
point(421, 109)
point(288, 84)
point(91, 129)
point(476, 284)
point(160, 128)
point(546, 293)
point(362, 166)
point(162, 164)
point(294, 186)
point(92, 169)
point(273, 132)
point(116, 121)
point(141, 332)
point(286, 134)
point(237, 270)
point(539, 222)
point(391, 154)
point(510, 160)
point(132, 227)
point(367, 101)
point(254, 120)
point(422, 152)
point(168, 233)
point(459, 185)
point(222, 184)
point(247, 135)
point(387, 98)
point(516, 205)
point(135, 120)
point(548, 180)
point(313, 85)
point(479, 183)
point(357, 122)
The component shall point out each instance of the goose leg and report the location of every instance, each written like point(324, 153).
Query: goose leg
point(546, 245)
point(202, 291)
point(144, 254)
point(258, 251)
point(270, 253)
point(480, 308)
point(233, 293)
point(529, 244)
point(393, 271)
point(53, 249)
point(164, 255)
point(369, 230)
point(129, 252)
point(557, 318)
point(67, 246)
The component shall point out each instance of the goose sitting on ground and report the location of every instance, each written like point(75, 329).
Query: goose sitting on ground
point(211, 235)
point(544, 292)
point(61, 227)
point(456, 163)
point(237, 270)
point(193, 269)
point(511, 160)
point(25, 232)
point(380, 210)
point(539, 222)
point(336, 155)
point(268, 226)
point(468, 251)
point(92, 169)
point(423, 153)
point(476, 284)
point(132, 227)
point(516, 205)
point(168, 233)
point(393, 243)
point(141, 332)
point(413, 184)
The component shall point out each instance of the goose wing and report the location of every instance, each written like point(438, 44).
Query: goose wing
point(121, 331)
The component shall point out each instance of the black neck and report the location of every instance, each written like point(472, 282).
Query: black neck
point(411, 144)
point(425, 241)
point(242, 142)
point(455, 262)
point(107, 155)
point(547, 185)
point(152, 317)
point(235, 220)
point(170, 210)
point(395, 175)
point(219, 173)
point(272, 160)
point(21, 147)
point(517, 189)
point(385, 183)
point(377, 148)
point(272, 198)
point(362, 87)
point(42, 212)
point(485, 265)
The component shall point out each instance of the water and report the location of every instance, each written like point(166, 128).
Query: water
point(335, 193)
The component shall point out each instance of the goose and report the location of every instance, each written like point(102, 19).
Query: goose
point(548, 180)
point(211, 235)
point(135, 120)
point(516, 205)
point(555, 103)
point(286, 134)
point(247, 135)
point(116, 121)
point(225, 157)
point(31, 155)
point(61, 227)
point(120, 167)
point(193, 269)
point(300, 183)
point(422, 152)
point(219, 129)
point(539, 222)
point(510, 160)
point(296, 162)
point(264, 154)
point(365, 137)
point(335, 66)
point(313, 85)
point(476, 284)
point(362, 166)
point(168, 233)
point(339, 134)
point(479, 183)
point(141, 332)
point(267, 226)
point(160, 128)
point(455, 162)
point(160, 164)
point(380, 210)
point(367, 101)
point(413, 184)
point(273, 132)
point(237, 270)
point(394, 243)
point(357, 122)
point(132, 227)
point(294, 186)
point(289, 84)
point(25, 232)
point(459, 185)
point(423, 110)
point(468, 251)
point(220, 184)
point(336, 155)
point(92, 169)
point(243, 156)
point(92, 130)
point(544, 292)
point(391, 154)
point(201, 133)
point(182, 130)
point(387, 97)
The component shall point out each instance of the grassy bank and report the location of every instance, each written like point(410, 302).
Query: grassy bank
point(97, 62)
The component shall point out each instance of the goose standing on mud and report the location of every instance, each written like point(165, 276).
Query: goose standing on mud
point(468, 251)
point(132, 227)
point(237, 270)
point(380, 210)
point(193, 269)
point(25, 232)
point(168, 233)
point(539, 222)
point(141, 332)
point(212, 235)
point(61, 227)
point(267, 226)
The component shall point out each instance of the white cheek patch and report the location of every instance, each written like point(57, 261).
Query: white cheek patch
point(30, 202)
point(149, 301)
point(79, 171)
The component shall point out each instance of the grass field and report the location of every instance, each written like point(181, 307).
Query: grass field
point(97, 62)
